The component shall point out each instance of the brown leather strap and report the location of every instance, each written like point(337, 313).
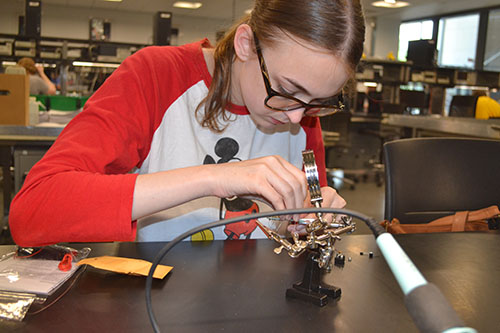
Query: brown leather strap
point(483, 214)
point(459, 220)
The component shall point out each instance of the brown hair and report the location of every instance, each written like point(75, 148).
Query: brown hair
point(29, 64)
point(335, 25)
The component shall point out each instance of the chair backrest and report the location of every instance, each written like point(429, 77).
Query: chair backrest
point(393, 108)
point(413, 99)
point(463, 106)
point(427, 178)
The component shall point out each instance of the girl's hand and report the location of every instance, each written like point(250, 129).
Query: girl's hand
point(40, 70)
point(331, 199)
point(272, 178)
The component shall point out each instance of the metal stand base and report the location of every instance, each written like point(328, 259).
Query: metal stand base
point(311, 289)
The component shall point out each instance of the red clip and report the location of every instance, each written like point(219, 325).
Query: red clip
point(65, 264)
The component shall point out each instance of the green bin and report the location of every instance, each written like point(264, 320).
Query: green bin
point(62, 103)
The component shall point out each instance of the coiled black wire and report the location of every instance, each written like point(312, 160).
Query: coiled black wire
point(376, 229)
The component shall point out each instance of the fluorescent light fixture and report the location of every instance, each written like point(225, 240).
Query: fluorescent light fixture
point(464, 87)
point(390, 4)
point(114, 0)
point(94, 64)
point(370, 84)
point(13, 63)
point(187, 4)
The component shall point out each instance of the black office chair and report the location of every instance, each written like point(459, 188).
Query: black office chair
point(463, 106)
point(335, 129)
point(412, 99)
point(392, 108)
point(427, 178)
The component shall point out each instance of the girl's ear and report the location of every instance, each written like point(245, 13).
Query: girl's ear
point(243, 42)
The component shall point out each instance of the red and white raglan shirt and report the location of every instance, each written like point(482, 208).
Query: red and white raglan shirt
point(142, 120)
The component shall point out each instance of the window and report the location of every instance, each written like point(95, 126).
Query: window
point(492, 53)
point(413, 31)
point(457, 41)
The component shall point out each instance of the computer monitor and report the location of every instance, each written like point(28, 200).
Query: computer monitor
point(422, 53)
point(463, 106)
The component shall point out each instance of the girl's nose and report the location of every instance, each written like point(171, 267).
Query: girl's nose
point(295, 116)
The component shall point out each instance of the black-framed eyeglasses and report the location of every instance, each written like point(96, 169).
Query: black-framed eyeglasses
point(283, 102)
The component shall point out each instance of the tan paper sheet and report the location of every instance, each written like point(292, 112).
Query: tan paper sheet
point(126, 266)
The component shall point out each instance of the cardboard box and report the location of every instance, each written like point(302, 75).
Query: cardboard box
point(14, 99)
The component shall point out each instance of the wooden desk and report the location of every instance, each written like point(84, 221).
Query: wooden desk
point(239, 286)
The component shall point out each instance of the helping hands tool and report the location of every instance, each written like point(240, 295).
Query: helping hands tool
point(319, 242)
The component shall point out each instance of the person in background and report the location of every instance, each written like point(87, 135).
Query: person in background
point(55, 78)
point(486, 107)
point(40, 84)
point(208, 133)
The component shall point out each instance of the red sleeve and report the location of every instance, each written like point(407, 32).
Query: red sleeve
point(312, 127)
point(81, 190)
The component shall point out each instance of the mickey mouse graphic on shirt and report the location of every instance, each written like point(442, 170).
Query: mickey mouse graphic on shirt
point(226, 149)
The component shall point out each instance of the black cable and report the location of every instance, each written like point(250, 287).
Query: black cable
point(376, 228)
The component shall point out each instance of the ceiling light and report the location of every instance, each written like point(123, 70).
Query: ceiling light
point(390, 4)
point(187, 4)
point(114, 0)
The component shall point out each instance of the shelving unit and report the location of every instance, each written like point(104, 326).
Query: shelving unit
point(81, 64)
point(392, 75)
point(55, 50)
point(396, 72)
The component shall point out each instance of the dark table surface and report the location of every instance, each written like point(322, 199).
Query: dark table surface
point(239, 286)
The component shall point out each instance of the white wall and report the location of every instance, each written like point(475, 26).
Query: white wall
point(9, 13)
point(128, 27)
point(386, 37)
